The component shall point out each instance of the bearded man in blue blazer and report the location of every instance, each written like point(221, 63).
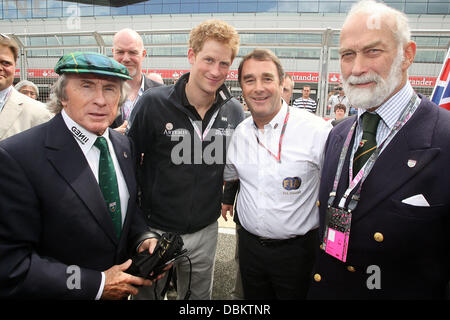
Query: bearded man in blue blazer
point(63, 233)
point(384, 221)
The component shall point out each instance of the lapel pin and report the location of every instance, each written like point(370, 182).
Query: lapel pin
point(361, 144)
point(412, 163)
point(125, 155)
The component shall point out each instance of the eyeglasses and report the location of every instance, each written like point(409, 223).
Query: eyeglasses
point(339, 89)
point(4, 36)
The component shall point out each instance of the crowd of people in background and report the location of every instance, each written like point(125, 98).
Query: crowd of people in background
point(318, 204)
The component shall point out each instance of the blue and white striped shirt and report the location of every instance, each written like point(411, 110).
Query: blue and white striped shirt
point(389, 112)
point(308, 104)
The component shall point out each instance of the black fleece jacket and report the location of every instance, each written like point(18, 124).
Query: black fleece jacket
point(181, 176)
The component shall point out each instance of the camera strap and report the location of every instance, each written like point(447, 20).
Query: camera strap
point(169, 278)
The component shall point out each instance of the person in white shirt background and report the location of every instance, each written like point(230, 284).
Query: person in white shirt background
point(339, 98)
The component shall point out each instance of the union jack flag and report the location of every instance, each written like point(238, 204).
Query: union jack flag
point(441, 92)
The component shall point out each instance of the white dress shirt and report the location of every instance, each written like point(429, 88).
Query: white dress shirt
point(92, 154)
point(269, 204)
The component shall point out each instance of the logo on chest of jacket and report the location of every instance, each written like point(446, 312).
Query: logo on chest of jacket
point(169, 132)
point(292, 183)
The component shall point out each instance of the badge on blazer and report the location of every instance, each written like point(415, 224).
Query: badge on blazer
point(292, 183)
point(169, 126)
point(361, 144)
point(412, 163)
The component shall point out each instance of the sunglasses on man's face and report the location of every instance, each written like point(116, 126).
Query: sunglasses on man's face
point(338, 89)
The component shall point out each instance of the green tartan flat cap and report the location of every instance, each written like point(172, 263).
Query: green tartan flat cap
point(91, 62)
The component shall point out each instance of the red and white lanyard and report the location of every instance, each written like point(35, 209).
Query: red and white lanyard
point(278, 158)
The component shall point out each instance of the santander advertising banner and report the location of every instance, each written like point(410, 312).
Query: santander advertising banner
point(306, 77)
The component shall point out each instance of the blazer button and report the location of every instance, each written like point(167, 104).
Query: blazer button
point(351, 268)
point(378, 237)
point(317, 277)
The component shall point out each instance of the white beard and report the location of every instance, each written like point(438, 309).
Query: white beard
point(367, 98)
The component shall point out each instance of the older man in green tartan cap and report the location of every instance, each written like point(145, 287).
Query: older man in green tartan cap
point(68, 193)
point(91, 62)
point(77, 68)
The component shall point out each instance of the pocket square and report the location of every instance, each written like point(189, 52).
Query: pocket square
point(418, 200)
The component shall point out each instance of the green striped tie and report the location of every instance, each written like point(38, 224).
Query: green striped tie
point(107, 181)
point(368, 142)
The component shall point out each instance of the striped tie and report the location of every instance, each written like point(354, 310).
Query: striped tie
point(368, 142)
point(107, 181)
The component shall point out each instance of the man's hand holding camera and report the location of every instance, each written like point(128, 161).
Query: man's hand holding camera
point(119, 284)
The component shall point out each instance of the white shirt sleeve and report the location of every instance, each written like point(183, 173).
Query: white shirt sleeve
point(102, 286)
point(230, 173)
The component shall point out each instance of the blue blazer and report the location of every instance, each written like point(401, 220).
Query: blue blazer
point(52, 215)
point(396, 250)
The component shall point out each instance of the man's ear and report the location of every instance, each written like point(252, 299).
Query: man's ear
point(191, 56)
point(409, 52)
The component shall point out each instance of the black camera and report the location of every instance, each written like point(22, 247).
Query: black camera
point(149, 266)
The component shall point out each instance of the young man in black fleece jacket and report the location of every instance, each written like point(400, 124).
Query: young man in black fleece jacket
point(181, 133)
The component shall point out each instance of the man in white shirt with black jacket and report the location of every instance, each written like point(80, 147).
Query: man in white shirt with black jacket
point(181, 133)
point(277, 157)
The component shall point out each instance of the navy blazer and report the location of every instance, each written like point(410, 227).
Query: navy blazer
point(53, 215)
point(407, 247)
